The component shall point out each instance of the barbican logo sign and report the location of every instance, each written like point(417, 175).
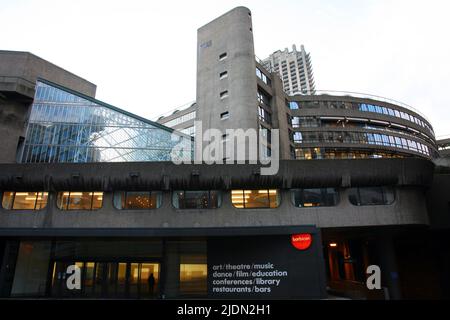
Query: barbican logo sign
point(301, 241)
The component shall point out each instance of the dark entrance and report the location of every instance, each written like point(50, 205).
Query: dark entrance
point(107, 279)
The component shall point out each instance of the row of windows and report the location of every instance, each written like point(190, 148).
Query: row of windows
point(365, 107)
point(263, 77)
point(202, 199)
point(359, 138)
point(181, 119)
point(332, 122)
point(332, 153)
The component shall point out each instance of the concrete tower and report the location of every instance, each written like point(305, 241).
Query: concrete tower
point(226, 82)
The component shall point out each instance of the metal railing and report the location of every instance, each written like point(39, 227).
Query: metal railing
point(371, 96)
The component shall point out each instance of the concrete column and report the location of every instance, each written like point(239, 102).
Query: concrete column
point(388, 265)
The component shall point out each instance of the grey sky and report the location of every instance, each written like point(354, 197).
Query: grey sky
point(142, 54)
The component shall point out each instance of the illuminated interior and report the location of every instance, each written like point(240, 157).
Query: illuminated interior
point(265, 198)
point(79, 200)
point(24, 200)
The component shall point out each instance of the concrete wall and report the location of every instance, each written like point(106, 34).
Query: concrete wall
point(16, 66)
point(408, 209)
point(410, 176)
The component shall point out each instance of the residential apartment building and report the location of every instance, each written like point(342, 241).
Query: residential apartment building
point(294, 68)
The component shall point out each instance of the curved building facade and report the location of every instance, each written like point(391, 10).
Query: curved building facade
point(327, 126)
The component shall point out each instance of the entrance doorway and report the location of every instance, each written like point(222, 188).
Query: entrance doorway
point(106, 279)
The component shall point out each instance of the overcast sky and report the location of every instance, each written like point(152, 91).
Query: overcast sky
point(142, 54)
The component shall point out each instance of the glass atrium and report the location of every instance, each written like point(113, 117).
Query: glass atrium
point(66, 126)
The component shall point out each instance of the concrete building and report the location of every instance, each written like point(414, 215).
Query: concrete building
point(92, 188)
point(181, 119)
point(294, 68)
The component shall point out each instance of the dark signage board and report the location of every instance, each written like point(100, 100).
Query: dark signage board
point(265, 267)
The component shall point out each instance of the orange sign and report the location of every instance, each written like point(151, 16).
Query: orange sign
point(301, 241)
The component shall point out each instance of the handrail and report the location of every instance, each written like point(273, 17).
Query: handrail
point(375, 97)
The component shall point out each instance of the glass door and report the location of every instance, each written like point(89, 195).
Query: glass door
point(133, 280)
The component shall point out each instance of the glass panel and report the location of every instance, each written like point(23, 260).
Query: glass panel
point(7, 200)
point(389, 195)
point(256, 199)
point(315, 197)
point(274, 198)
point(134, 279)
point(97, 200)
point(193, 278)
point(237, 198)
point(75, 129)
point(140, 200)
point(25, 200)
point(149, 279)
point(62, 200)
point(80, 201)
point(89, 277)
point(196, 199)
point(372, 196)
point(41, 202)
point(121, 278)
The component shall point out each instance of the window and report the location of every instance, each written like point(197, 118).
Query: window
point(262, 76)
point(255, 198)
point(224, 115)
point(209, 199)
point(223, 75)
point(264, 115)
point(69, 200)
point(193, 275)
point(297, 137)
point(24, 200)
point(293, 105)
point(223, 56)
point(224, 94)
point(369, 196)
point(324, 197)
point(263, 98)
point(131, 200)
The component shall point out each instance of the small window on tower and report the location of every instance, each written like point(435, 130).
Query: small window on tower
point(223, 56)
point(223, 75)
point(224, 94)
point(224, 115)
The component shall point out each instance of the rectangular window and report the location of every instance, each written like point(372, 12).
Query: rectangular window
point(293, 105)
point(263, 97)
point(224, 115)
point(224, 94)
point(223, 75)
point(251, 199)
point(371, 196)
point(24, 200)
point(324, 197)
point(193, 275)
point(69, 200)
point(135, 200)
point(208, 199)
point(223, 56)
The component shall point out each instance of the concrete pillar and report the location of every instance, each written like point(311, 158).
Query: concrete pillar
point(388, 265)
